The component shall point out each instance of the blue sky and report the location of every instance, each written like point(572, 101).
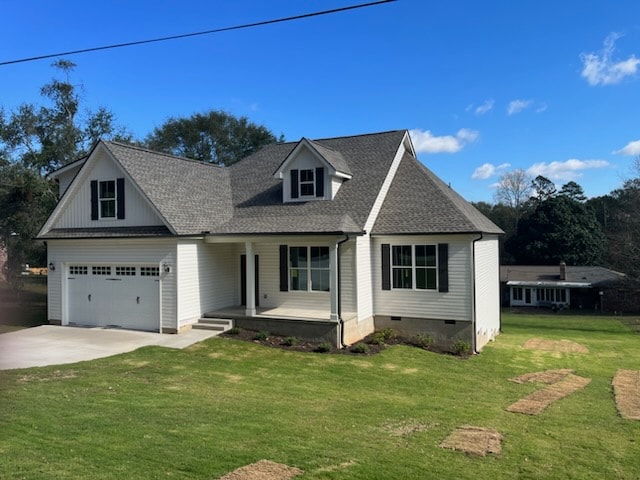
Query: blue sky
point(551, 87)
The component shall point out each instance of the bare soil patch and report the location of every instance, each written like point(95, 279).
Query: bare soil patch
point(563, 346)
point(263, 470)
point(626, 387)
point(537, 401)
point(56, 375)
point(474, 441)
point(547, 377)
point(407, 428)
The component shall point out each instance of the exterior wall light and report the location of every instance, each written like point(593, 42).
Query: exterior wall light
point(166, 268)
point(52, 267)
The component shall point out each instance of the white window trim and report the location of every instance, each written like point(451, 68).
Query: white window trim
point(311, 182)
point(114, 199)
point(308, 269)
point(414, 267)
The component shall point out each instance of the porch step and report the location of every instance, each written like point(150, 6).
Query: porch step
point(217, 324)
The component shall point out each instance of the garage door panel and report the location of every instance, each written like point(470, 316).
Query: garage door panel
point(120, 295)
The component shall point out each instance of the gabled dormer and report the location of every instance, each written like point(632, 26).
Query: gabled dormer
point(312, 172)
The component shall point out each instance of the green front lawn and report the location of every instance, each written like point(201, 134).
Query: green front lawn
point(222, 404)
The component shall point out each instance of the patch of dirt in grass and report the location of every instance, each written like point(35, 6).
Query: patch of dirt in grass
point(404, 429)
point(334, 468)
point(136, 363)
point(56, 375)
point(626, 387)
point(547, 377)
point(474, 441)
point(536, 402)
point(563, 346)
point(396, 368)
point(263, 470)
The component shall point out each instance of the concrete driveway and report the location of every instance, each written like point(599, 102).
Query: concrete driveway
point(56, 345)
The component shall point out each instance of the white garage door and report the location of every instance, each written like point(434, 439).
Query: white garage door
point(127, 296)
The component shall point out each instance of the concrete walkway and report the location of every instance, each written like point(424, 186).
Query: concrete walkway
point(56, 345)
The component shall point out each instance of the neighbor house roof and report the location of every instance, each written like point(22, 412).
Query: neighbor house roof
point(419, 202)
point(549, 275)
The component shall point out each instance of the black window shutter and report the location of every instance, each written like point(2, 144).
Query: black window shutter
point(243, 279)
point(284, 268)
point(120, 198)
point(294, 183)
point(443, 267)
point(386, 267)
point(94, 200)
point(320, 182)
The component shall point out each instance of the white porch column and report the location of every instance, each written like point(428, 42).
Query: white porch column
point(333, 280)
point(251, 280)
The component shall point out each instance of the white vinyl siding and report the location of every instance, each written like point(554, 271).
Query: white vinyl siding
point(487, 273)
point(77, 213)
point(452, 305)
point(364, 277)
point(208, 278)
point(348, 288)
point(112, 252)
point(305, 160)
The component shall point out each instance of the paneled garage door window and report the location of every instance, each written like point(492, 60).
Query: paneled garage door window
point(78, 270)
point(149, 271)
point(125, 271)
point(97, 270)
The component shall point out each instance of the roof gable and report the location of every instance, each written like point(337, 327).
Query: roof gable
point(331, 158)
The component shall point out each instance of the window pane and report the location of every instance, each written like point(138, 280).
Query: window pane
point(320, 280)
point(402, 278)
point(298, 257)
point(401, 255)
point(319, 257)
point(108, 189)
point(426, 278)
point(107, 208)
point(298, 279)
point(306, 189)
point(306, 175)
point(425, 255)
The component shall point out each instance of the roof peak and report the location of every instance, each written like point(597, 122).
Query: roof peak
point(156, 152)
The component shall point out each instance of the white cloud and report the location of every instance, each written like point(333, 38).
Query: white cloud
point(567, 170)
point(543, 107)
point(516, 106)
point(488, 170)
point(425, 142)
point(485, 107)
point(601, 69)
point(631, 148)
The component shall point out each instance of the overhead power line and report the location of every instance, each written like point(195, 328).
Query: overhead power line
point(195, 34)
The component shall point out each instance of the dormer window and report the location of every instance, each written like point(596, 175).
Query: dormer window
point(107, 199)
point(307, 183)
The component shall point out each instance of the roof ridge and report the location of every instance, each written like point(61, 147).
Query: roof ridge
point(163, 154)
point(359, 135)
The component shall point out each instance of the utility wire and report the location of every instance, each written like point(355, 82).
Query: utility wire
point(195, 34)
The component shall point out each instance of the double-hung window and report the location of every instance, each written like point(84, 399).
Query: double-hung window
point(307, 183)
point(107, 198)
point(309, 269)
point(414, 267)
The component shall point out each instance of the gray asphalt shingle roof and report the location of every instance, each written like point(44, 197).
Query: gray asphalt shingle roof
point(245, 198)
point(551, 273)
point(419, 202)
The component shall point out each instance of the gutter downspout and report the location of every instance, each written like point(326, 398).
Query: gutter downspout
point(340, 321)
point(473, 288)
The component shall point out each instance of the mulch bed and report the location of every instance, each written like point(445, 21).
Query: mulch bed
point(263, 470)
point(536, 402)
point(626, 387)
point(474, 441)
point(373, 346)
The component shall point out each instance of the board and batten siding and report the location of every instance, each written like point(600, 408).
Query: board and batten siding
point(208, 277)
point(364, 293)
point(64, 179)
point(270, 294)
point(77, 214)
point(430, 304)
point(116, 251)
point(348, 288)
point(487, 273)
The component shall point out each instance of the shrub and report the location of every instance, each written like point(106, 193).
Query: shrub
point(384, 335)
point(388, 333)
point(423, 340)
point(377, 339)
point(360, 348)
point(234, 331)
point(290, 341)
point(460, 347)
point(261, 336)
point(324, 347)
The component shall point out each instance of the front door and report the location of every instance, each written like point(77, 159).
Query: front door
point(527, 296)
point(243, 280)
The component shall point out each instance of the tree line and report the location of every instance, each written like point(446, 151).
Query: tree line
point(545, 225)
point(35, 140)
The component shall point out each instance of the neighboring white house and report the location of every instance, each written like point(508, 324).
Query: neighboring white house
point(347, 235)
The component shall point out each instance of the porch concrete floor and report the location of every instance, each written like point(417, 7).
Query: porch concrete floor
point(277, 313)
